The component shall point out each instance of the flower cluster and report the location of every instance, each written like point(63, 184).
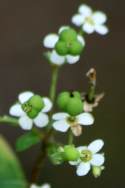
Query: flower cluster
point(69, 111)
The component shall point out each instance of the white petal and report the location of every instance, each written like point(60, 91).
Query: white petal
point(96, 145)
point(33, 186)
point(57, 59)
point(48, 104)
point(88, 28)
point(81, 148)
point(72, 59)
point(63, 28)
point(78, 19)
point(83, 169)
point(16, 110)
point(46, 185)
point(25, 96)
point(60, 116)
point(99, 17)
point(74, 163)
point(85, 119)
point(101, 29)
point(97, 160)
point(61, 125)
point(50, 40)
point(85, 10)
point(25, 123)
point(81, 39)
point(41, 120)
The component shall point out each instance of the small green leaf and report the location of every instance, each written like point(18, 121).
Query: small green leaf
point(11, 175)
point(27, 140)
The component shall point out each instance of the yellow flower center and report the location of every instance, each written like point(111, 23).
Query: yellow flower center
point(86, 155)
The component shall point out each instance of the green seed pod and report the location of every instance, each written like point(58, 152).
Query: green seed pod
point(36, 102)
point(76, 94)
point(63, 99)
point(71, 153)
point(32, 113)
point(61, 48)
point(75, 106)
point(68, 35)
point(76, 48)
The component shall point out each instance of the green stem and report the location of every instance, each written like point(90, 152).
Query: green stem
point(70, 138)
point(43, 152)
point(8, 119)
point(55, 70)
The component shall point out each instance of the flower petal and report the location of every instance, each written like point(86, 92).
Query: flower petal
point(97, 160)
point(88, 28)
point(101, 29)
point(45, 185)
point(63, 28)
point(74, 163)
point(85, 119)
point(83, 169)
point(60, 116)
point(85, 10)
point(72, 59)
point(25, 123)
point(16, 110)
point(57, 59)
point(77, 20)
point(25, 96)
point(41, 120)
point(61, 125)
point(96, 145)
point(99, 17)
point(81, 39)
point(48, 104)
point(50, 40)
point(81, 148)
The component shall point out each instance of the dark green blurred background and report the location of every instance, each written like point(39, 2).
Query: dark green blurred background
point(23, 24)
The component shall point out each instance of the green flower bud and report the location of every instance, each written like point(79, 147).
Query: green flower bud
point(71, 153)
point(36, 102)
point(97, 170)
point(76, 48)
point(32, 113)
point(61, 48)
point(63, 99)
point(68, 35)
point(75, 106)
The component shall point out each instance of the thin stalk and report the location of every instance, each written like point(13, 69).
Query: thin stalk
point(8, 119)
point(44, 143)
point(70, 138)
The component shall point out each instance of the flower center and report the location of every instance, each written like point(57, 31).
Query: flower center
point(71, 120)
point(90, 20)
point(26, 107)
point(86, 155)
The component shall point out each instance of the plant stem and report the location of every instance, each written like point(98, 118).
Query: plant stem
point(44, 143)
point(70, 137)
point(55, 70)
point(8, 119)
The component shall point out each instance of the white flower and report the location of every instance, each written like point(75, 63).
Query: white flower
point(63, 121)
point(25, 122)
point(90, 21)
point(89, 157)
point(46, 185)
point(50, 42)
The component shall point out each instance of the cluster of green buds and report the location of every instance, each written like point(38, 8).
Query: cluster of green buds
point(68, 43)
point(70, 102)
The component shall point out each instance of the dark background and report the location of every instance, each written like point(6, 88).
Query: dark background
point(23, 24)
